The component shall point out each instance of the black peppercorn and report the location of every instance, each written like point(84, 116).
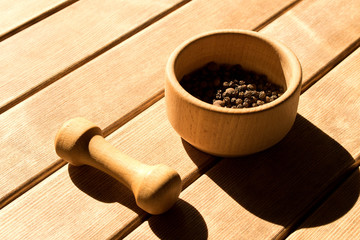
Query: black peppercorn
point(219, 103)
point(259, 102)
point(251, 87)
point(241, 94)
point(230, 86)
point(262, 95)
point(238, 101)
point(267, 99)
point(246, 104)
point(247, 94)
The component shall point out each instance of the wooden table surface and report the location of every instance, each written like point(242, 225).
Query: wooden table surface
point(105, 61)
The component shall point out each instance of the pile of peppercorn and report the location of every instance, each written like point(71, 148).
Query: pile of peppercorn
point(230, 86)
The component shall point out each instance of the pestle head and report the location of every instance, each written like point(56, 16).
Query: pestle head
point(72, 139)
point(158, 190)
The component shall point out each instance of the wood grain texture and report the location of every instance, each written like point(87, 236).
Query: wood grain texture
point(64, 41)
point(246, 191)
point(234, 195)
point(258, 195)
point(108, 88)
point(17, 15)
point(86, 34)
point(324, 29)
point(84, 203)
point(278, 184)
point(94, 207)
point(337, 92)
point(126, 209)
point(345, 226)
point(275, 186)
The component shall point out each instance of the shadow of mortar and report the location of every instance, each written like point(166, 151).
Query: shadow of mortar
point(280, 183)
point(337, 204)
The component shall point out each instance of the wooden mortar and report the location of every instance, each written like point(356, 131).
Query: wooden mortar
point(224, 131)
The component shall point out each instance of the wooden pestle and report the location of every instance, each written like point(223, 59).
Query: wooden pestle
point(156, 188)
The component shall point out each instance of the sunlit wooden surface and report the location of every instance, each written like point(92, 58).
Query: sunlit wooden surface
point(105, 61)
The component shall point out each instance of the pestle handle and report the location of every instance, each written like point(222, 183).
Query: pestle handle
point(156, 188)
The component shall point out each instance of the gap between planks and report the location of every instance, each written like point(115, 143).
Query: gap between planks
point(92, 56)
point(36, 19)
point(330, 65)
point(333, 186)
point(276, 15)
point(21, 189)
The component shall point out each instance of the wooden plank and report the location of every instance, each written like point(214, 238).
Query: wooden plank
point(297, 175)
point(256, 197)
point(17, 15)
point(263, 167)
point(337, 92)
point(91, 212)
point(259, 195)
point(346, 224)
point(65, 41)
point(319, 34)
point(88, 204)
point(108, 90)
point(44, 52)
point(276, 185)
point(143, 134)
